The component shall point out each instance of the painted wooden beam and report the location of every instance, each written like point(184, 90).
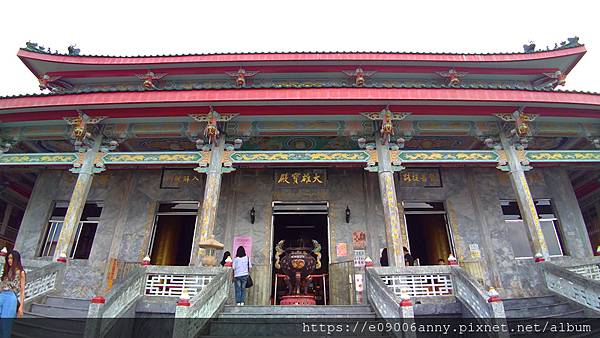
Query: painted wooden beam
point(315, 156)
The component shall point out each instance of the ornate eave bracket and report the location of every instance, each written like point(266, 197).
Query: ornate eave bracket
point(98, 165)
point(83, 129)
point(387, 118)
point(226, 161)
point(211, 130)
point(521, 132)
point(396, 161)
point(372, 161)
point(6, 145)
point(503, 160)
point(203, 162)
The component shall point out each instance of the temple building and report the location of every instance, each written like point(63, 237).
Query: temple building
point(478, 164)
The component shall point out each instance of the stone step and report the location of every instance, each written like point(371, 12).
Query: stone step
point(424, 310)
point(517, 303)
point(58, 311)
point(298, 310)
point(75, 303)
point(253, 317)
point(35, 327)
point(539, 310)
point(574, 313)
point(288, 328)
point(162, 305)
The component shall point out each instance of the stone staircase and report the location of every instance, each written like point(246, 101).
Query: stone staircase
point(55, 317)
point(284, 321)
point(542, 307)
point(448, 309)
point(550, 307)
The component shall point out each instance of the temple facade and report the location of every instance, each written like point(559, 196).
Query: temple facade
point(474, 159)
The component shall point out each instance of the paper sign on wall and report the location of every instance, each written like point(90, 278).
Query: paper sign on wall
point(359, 258)
point(474, 250)
point(341, 249)
point(245, 241)
point(359, 241)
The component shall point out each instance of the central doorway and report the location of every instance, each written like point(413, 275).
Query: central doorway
point(171, 242)
point(307, 221)
point(429, 236)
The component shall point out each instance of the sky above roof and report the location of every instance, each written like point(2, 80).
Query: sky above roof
point(169, 27)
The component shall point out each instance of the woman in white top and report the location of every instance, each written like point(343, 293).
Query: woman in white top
point(241, 270)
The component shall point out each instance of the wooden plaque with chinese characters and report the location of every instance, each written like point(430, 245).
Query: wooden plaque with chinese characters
point(300, 178)
point(177, 178)
point(420, 177)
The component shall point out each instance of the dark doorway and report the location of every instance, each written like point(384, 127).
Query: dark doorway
point(428, 233)
point(173, 233)
point(305, 222)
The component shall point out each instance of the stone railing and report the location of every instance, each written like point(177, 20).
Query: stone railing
point(119, 302)
point(170, 281)
point(418, 281)
point(145, 281)
point(42, 277)
point(572, 285)
point(436, 281)
point(42, 280)
point(384, 301)
point(472, 295)
point(191, 319)
point(588, 267)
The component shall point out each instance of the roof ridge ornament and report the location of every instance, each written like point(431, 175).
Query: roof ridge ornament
point(150, 78)
point(73, 50)
point(529, 48)
point(53, 83)
point(570, 43)
point(453, 76)
point(241, 75)
point(359, 75)
point(34, 47)
point(558, 79)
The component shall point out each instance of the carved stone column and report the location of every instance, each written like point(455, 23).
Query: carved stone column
point(391, 212)
point(205, 222)
point(524, 198)
point(78, 198)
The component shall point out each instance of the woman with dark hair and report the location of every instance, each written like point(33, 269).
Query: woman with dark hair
point(383, 260)
point(241, 270)
point(12, 287)
point(226, 254)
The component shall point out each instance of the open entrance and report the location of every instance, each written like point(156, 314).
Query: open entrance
point(298, 224)
point(171, 242)
point(429, 236)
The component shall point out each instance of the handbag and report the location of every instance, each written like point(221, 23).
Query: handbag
point(249, 281)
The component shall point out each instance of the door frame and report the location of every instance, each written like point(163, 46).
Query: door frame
point(155, 222)
point(272, 237)
point(449, 234)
